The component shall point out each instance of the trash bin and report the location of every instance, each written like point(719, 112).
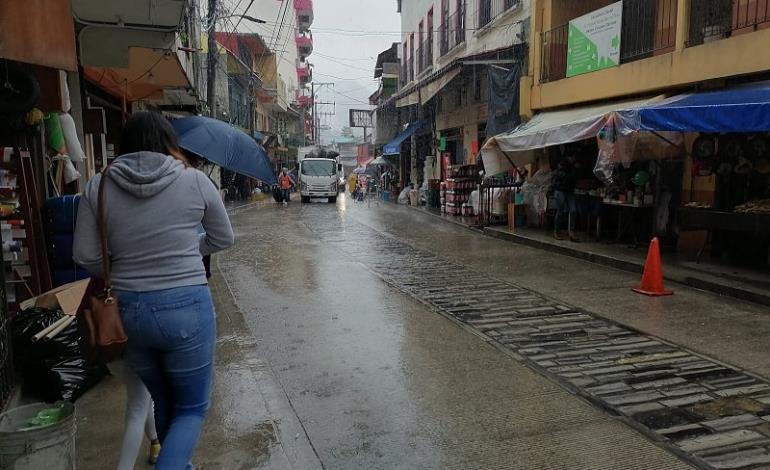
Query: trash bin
point(386, 196)
point(24, 446)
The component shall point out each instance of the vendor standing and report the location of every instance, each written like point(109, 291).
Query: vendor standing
point(563, 184)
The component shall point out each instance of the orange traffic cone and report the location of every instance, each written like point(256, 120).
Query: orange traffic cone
point(652, 279)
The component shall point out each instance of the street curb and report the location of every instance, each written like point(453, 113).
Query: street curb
point(445, 219)
point(605, 260)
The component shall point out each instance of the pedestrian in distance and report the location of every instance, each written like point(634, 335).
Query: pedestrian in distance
point(563, 183)
point(154, 206)
point(285, 183)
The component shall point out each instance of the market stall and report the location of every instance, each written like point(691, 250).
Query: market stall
point(615, 180)
point(692, 168)
point(726, 196)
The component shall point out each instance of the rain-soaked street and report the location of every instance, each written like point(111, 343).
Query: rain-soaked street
point(356, 336)
point(380, 380)
point(396, 349)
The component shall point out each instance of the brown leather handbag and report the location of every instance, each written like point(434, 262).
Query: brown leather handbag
point(102, 336)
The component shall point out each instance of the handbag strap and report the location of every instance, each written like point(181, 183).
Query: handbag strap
point(101, 226)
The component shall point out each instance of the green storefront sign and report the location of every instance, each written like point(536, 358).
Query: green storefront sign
point(594, 40)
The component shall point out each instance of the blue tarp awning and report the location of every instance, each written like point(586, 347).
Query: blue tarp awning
point(394, 146)
point(738, 109)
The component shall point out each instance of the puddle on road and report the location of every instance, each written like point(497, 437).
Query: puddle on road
point(244, 450)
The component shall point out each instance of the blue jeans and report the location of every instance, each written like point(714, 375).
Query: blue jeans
point(565, 206)
point(171, 347)
point(286, 195)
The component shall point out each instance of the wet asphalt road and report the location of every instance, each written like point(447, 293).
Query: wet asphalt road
point(375, 337)
point(370, 377)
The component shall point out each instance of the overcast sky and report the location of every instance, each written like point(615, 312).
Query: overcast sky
point(348, 35)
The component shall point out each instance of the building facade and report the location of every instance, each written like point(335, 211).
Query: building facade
point(665, 45)
point(446, 50)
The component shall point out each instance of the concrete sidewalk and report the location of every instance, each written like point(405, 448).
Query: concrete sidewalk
point(743, 284)
point(251, 423)
point(734, 282)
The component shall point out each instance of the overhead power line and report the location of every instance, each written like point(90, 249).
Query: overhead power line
point(344, 79)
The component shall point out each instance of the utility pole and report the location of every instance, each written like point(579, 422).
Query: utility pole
point(316, 117)
point(303, 120)
point(211, 69)
point(315, 110)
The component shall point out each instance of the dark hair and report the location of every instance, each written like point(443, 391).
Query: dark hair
point(148, 131)
point(195, 160)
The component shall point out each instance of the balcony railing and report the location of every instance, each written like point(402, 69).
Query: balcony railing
point(553, 45)
point(303, 6)
point(711, 20)
point(304, 10)
point(304, 74)
point(304, 44)
point(425, 55)
point(453, 30)
point(491, 9)
point(648, 28)
point(304, 101)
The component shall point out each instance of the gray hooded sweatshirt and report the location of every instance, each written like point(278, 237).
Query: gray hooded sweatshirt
point(154, 209)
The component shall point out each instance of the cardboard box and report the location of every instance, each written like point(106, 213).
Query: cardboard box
point(67, 298)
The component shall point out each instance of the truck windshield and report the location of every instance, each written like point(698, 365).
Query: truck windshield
point(319, 168)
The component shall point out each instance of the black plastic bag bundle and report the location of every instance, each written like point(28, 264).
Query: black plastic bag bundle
point(53, 369)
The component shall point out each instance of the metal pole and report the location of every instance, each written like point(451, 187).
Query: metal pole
point(302, 122)
point(251, 108)
point(315, 110)
point(211, 69)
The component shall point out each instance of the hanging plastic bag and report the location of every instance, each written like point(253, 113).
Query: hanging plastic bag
point(604, 169)
point(74, 148)
point(71, 173)
point(403, 197)
point(55, 133)
point(535, 190)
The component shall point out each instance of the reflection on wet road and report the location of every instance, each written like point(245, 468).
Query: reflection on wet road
point(378, 379)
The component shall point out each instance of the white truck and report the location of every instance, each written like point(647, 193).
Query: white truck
point(318, 177)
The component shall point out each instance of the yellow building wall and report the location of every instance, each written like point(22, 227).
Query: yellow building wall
point(741, 54)
point(267, 67)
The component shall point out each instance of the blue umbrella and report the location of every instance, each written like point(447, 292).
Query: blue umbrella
point(223, 144)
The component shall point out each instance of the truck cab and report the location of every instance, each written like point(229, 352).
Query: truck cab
point(319, 178)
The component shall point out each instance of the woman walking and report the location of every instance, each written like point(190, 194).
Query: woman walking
point(154, 206)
